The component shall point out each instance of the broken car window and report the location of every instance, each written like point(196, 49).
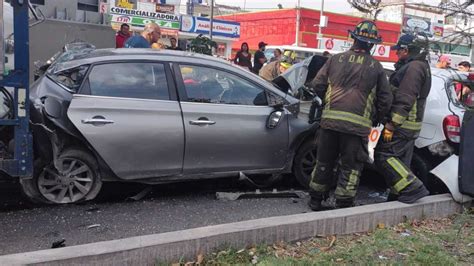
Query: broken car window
point(71, 79)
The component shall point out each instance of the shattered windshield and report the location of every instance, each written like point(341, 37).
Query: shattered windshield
point(71, 51)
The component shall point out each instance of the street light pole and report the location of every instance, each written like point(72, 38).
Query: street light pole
point(321, 14)
point(212, 19)
point(298, 18)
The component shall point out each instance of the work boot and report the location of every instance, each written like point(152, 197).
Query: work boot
point(344, 203)
point(409, 195)
point(315, 202)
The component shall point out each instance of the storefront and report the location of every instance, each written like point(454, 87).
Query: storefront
point(278, 27)
point(224, 33)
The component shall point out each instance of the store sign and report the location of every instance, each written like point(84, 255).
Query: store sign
point(222, 28)
point(124, 4)
point(344, 45)
point(438, 29)
point(103, 7)
point(140, 22)
point(164, 8)
point(148, 7)
point(140, 13)
point(417, 25)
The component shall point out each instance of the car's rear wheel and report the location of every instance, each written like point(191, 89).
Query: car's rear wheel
point(76, 180)
point(304, 162)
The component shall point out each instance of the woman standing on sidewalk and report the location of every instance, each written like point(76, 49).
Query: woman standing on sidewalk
point(244, 57)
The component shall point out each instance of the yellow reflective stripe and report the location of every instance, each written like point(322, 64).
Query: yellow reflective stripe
point(345, 193)
point(402, 184)
point(353, 177)
point(413, 113)
point(402, 172)
point(370, 104)
point(318, 187)
point(415, 126)
point(327, 98)
point(346, 116)
point(398, 119)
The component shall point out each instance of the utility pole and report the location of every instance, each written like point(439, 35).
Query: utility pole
point(321, 15)
point(298, 18)
point(212, 19)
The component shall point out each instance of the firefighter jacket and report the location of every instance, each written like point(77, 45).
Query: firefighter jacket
point(355, 92)
point(270, 71)
point(411, 84)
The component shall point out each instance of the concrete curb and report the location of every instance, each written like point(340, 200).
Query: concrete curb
point(171, 246)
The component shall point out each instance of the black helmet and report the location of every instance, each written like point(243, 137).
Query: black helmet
point(366, 31)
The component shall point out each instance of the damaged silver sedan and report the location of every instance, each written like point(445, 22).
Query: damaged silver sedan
point(137, 115)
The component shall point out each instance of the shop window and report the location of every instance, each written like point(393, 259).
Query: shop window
point(88, 5)
point(37, 2)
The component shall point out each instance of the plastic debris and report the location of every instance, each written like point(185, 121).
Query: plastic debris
point(382, 257)
point(59, 243)
point(93, 226)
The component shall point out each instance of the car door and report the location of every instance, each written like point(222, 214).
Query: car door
point(225, 116)
point(129, 113)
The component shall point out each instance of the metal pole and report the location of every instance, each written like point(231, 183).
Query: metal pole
point(212, 19)
point(245, 3)
point(298, 18)
point(321, 14)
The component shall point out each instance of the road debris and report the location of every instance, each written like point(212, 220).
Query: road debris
point(382, 257)
point(93, 226)
point(261, 194)
point(331, 244)
point(141, 194)
point(59, 243)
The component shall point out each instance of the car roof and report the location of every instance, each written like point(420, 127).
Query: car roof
point(447, 74)
point(302, 49)
point(98, 55)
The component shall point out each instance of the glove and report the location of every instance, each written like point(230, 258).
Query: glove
point(387, 132)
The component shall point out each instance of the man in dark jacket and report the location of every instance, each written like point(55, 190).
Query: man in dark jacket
point(356, 95)
point(411, 84)
point(259, 58)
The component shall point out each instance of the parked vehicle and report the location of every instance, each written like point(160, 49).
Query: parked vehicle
point(302, 53)
point(139, 115)
point(437, 148)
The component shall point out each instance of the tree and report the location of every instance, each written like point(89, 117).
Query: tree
point(202, 45)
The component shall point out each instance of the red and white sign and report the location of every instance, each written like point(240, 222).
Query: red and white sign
point(329, 44)
point(381, 51)
point(121, 19)
point(103, 8)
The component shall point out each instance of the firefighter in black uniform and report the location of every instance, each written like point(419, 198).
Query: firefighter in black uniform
point(411, 84)
point(356, 94)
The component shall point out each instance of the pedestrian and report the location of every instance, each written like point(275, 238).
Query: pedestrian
point(122, 35)
point(444, 62)
point(463, 91)
point(356, 96)
point(174, 45)
point(464, 66)
point(276, 55)
point(244, 57)
point(259, 58)
point(149, 36)
point(274, 69)
point(412, 83)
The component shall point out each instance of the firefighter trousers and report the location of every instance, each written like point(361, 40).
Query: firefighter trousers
point(351, 150)
point(393, 159)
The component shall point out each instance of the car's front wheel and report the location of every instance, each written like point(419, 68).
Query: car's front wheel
point(304, 162)
point(76, 179)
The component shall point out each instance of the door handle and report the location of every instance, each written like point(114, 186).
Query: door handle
point(201, 122)
point(97, 121)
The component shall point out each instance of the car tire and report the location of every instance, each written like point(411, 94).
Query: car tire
point(421, 167)
point(304, 162)
point(79, 181)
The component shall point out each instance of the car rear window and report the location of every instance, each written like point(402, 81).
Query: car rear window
point(70, 79)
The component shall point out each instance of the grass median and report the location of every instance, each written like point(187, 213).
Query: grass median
point(448, 241)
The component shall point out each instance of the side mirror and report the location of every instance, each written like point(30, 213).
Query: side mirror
point(274, 119)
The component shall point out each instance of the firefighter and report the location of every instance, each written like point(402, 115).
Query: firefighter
point(411, 83)
point(272, 70)
point(356, 95)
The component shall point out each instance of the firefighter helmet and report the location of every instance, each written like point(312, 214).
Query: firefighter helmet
point(366, 31)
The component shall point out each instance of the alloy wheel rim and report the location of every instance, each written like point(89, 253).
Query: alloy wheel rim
point(308, 162)
point(71, 184)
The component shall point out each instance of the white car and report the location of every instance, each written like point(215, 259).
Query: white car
point(437, 148)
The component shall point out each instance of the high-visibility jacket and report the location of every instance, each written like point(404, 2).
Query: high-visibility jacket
point(411, 85)
point(355, 92)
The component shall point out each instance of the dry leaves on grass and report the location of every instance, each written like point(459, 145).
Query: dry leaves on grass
point(333, 240)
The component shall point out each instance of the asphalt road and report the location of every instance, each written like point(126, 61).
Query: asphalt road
point(26, 227)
